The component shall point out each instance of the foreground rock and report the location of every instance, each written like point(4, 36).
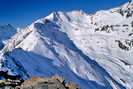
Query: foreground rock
point(55, 82)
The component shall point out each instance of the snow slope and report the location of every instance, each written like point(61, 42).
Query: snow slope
point(94, 51)
point(6, 31)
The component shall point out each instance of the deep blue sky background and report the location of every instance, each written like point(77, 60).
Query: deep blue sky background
point(22, 12)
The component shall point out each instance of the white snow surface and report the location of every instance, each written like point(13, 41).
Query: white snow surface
point(93, 51)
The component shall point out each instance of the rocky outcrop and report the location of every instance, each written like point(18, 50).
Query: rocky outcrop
point(55, 82)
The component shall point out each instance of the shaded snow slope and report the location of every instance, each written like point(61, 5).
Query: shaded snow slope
point(94, 51)
point(6, 32)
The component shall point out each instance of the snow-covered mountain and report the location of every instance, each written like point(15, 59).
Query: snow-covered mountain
point(93, 50)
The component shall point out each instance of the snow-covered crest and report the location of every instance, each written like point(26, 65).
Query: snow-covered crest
point(94, 51)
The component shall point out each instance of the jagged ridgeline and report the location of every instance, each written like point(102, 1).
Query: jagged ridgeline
point(94, 51)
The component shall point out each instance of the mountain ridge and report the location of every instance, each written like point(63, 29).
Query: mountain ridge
point(94, 51)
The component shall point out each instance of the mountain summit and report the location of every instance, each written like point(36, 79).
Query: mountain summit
point(92, 50)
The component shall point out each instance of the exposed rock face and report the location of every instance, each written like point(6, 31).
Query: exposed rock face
point(55, 82)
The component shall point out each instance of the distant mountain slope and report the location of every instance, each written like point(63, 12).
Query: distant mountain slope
point(6, 32)
point(94, 51)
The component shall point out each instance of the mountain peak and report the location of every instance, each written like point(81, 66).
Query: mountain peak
point(94, 51)
point(77, 11)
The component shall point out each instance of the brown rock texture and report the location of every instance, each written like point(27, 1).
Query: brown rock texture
point(54, 82)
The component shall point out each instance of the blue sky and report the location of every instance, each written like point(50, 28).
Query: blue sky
point(23, 12)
